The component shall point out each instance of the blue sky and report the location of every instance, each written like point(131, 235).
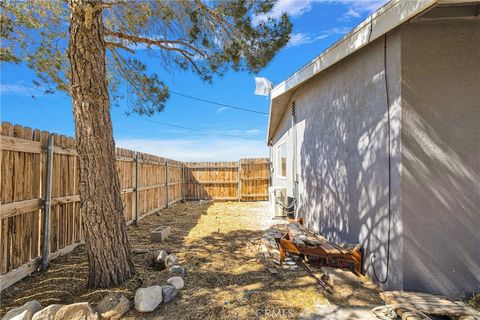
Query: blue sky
point(317, 25)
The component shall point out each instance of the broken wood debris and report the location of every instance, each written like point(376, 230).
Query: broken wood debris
point(427, 303)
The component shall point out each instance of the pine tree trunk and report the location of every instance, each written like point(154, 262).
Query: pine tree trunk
point(103, 222)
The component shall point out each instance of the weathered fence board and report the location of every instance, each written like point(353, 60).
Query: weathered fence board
point(245, 180)
point(148, 184)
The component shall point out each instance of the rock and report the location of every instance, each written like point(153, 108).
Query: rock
point(177, 269)
point(156, 259)
point(160, 256)
point(169, 292)
point(177, 282)
point(24, 312)
point(76, 311)
point(147, 299)
point(113, 306)
point(171, 260)
point(47, 313)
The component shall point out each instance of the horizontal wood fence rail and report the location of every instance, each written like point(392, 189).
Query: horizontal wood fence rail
point(148, 184)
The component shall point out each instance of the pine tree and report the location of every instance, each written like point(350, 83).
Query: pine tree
point(86, 48)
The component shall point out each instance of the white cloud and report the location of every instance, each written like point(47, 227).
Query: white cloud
point(301, 38)
point(245, 132)
point(207, 149)
point(294, 8)
point(221, 109)
point(20, 89)
point(356, 8)
point(352, 13)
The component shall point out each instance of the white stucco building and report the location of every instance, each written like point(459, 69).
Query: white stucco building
point(378, 139)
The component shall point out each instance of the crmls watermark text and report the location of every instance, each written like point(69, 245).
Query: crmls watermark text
point(273, 313)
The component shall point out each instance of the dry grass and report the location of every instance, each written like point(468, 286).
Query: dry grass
point(217, 244)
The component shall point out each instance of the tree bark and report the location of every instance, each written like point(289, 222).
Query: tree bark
point(101, 205)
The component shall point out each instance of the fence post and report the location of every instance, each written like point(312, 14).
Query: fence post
point(137, 196)
point(166, 181)
point(183, 182)
point(47, 205)
point(239, 180)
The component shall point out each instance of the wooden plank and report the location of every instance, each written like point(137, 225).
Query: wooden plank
point(19, 207)
point(65, 199)
point(217, 182)
point(428, 303)
point(64, 151)
point(211, 167)
point(154, 186)
point(125, 159)
point(255, 195)
point(20, 145)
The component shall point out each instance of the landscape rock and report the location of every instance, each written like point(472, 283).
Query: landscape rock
point(156, 259)
point(169, 292)
point(47, 313)
point(160, 256)
point(147, 299)
point(177, 282)
point(24, 312)
point(171, 260)
point(76, 311)
point(113, 306)
point(177, 269)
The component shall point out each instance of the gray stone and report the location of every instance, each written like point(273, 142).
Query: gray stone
point(113, 306)
point(177, 269)
point(147, 299)
point(156, 259)
point(47, 313)
point(76, 311)
point(169, 292)
point(160, 234)
point(171, 260)
point(160, 256)
point(24, 312)
point(177, 282)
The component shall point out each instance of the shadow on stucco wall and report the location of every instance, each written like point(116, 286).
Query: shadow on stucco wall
point(344, 165)
point(441, 157)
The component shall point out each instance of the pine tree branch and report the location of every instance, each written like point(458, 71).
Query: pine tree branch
point(111, 45)
point(162, 43)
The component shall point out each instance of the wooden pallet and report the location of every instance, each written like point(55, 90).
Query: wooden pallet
point(302, 241)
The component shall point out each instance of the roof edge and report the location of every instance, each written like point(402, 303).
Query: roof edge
point(386, 18)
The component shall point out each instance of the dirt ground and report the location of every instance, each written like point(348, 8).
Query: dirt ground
point(218, 245)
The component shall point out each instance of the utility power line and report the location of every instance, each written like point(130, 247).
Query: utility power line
point(41, 109)
point(37, 120)
point(196, 130)
point(218, 103)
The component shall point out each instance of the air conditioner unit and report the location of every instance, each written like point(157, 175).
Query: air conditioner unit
point(277, 200)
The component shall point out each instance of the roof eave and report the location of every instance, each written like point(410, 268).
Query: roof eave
point(388, 17)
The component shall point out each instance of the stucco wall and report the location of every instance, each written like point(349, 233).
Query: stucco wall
point(343, 154)
point(284, 134)
point(441, 155)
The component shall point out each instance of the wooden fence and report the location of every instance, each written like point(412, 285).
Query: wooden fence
point(245, 180)
point(149, 183)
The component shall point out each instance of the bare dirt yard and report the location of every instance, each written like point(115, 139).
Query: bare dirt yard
point(218, 245)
